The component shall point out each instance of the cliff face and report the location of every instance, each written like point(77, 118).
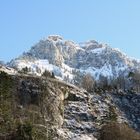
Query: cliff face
point(31, 108)
point(85, 113)
point(42, 108)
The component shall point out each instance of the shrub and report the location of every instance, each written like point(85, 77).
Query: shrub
point(48, 74)
point(24, 132)
point(118, 131)
point(88, 82)
point(112, 116)
point(24, 70)
point(5, 83)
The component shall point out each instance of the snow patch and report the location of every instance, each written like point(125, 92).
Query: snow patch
point(39, 66)
point(98, 50)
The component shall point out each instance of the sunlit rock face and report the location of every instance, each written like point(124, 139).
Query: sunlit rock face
point(65, 57)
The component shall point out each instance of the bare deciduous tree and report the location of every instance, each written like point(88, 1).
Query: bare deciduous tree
point(88, 82)
point(135, 79)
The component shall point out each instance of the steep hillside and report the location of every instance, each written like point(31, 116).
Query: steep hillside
point(40, 108)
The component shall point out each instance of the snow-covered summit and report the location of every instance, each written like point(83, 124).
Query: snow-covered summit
point(65, 58)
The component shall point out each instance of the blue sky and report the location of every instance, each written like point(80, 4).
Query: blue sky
point(25, 22)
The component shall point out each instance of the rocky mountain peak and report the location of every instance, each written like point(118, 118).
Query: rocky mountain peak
point(65, 57)
point(89, 45)
point(54, 37)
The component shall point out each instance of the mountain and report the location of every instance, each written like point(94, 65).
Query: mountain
point(65, 58)
point(42, 108)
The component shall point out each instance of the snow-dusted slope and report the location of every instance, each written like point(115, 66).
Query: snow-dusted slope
point(65, 58)
point(8, 70)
